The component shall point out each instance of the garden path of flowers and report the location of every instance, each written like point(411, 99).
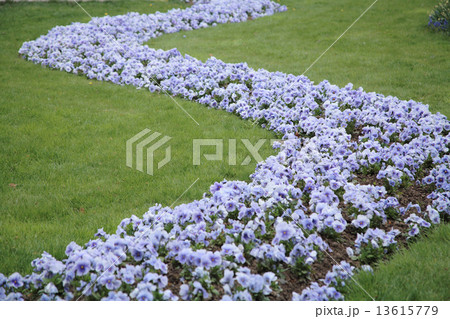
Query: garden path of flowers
point(356, 176)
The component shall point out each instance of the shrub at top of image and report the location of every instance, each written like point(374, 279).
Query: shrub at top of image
point(440, 17)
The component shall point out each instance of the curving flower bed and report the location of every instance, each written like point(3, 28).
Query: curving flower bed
point(357, 175)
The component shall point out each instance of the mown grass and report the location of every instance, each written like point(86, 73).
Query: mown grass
point(62, 139)
point(419, 273)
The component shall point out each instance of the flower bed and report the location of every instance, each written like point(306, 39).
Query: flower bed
point(356, 175)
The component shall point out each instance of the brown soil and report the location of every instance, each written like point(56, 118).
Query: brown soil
point(357, 132)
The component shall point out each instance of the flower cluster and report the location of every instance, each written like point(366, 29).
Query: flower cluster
point(334, 280)
point(240, 238)
point(317, 293)
point(440, 16)
point(373, 244)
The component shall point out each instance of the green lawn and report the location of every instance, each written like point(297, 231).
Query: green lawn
point(62, 142)
point(63, 139)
